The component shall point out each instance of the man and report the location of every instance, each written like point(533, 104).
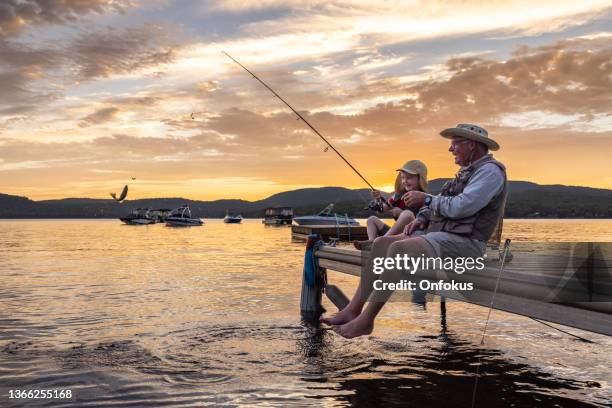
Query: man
point(457, 222)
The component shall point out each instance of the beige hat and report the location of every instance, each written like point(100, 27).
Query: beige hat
point(412, 167)
point(471, 132)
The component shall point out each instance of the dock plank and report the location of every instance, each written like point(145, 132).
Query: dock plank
point(526, 288)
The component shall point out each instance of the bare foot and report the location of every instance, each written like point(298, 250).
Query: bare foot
point(360, 326)
point(343, 316)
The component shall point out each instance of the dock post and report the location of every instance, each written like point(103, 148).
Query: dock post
point(313, 281)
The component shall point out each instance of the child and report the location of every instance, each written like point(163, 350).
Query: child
point(412, 176)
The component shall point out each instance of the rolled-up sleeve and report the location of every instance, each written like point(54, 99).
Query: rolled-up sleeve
point(424, 214)
point(485, 183)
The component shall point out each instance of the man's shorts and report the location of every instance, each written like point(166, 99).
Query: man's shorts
point(446, 244)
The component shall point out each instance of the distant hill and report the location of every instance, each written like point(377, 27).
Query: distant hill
point(525, 200)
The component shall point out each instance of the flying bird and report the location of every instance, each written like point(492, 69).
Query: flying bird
point(122, 196)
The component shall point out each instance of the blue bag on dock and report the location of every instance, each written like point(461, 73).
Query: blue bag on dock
point(310, 267)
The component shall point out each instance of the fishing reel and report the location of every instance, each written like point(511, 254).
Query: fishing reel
point(376, 205)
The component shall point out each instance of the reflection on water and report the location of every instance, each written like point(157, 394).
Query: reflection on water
point(558, 230)
point(149, 315)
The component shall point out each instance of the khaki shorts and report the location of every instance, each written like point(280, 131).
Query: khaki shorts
point(446, 244)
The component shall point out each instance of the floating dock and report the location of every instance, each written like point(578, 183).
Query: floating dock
point(573, 291)
point(326, 232)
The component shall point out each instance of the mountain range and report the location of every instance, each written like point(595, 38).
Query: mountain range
point(525, 200)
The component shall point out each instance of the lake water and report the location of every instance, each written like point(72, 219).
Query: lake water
point(158, 316)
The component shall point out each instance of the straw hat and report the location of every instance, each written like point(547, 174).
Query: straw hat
point(472, 132)
point(412, 167)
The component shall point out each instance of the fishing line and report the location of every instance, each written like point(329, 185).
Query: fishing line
point(302, 118)
point(563, 331)
point(484, 330)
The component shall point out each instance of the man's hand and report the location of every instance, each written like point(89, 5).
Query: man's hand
point(414, 198)
point(376, 194)
point(416, 224)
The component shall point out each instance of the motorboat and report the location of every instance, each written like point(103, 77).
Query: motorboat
point(139, 216)
point(159, 214)
point(232, 219)
point(326, 217)
point(278, 216)
point(181, 217)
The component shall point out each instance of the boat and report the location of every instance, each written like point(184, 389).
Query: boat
point(181, 217)
point(326, 217)
point(278, 216)
point(160, 214)
point(232, 219)
point(139, 216)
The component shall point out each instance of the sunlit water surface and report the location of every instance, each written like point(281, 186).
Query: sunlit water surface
point(152, 316)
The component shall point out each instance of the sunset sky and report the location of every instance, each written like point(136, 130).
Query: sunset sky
point(94, 92)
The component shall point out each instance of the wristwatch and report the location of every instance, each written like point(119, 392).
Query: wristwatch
point(428, 200)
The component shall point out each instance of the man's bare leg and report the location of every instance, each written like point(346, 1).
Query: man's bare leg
point(353, 309)
point(363, 323)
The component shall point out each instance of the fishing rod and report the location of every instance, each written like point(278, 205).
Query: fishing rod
point(302, 118)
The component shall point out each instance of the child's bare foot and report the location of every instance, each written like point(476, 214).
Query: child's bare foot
point(342, 317)
point(359, 326)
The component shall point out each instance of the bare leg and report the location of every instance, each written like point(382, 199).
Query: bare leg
point(352, 310)
point(405, 218)
point(395, 212)
point(364, 322)
point(374, 225)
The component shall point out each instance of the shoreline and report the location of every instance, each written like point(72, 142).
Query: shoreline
point(261, 218)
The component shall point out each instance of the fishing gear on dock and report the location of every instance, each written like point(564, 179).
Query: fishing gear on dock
point(302, 118)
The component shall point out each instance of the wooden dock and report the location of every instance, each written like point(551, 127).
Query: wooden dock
point(327, 232)
point(572, 292)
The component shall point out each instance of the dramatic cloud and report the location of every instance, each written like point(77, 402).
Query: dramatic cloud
point(568, 78)
point(109, 52)
point(101, 116)
point(376, 22)
point(15, 15)
point(32, 74)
